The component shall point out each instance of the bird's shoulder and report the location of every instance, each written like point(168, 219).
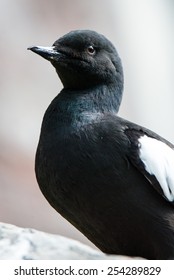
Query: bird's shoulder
point(148, 152)
point(153, 156)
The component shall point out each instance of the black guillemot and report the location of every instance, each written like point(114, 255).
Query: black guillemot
point(112, 179)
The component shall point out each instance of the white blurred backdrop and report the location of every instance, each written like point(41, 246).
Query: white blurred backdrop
point(142, 31)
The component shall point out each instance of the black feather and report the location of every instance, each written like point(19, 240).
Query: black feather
point(87, 160)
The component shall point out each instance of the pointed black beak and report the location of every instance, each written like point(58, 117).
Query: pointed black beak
point(49, 53)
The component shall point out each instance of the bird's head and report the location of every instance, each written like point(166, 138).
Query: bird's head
point(83, 59)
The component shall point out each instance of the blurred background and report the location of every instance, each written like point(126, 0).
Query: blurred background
point(142, 32)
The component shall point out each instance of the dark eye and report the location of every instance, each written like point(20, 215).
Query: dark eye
point(91, 50)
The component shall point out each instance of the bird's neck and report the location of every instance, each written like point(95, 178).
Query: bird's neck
point(103, 99)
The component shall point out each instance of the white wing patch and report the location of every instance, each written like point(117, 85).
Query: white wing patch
point(158, 159)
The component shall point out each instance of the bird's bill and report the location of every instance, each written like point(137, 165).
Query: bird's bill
point(49, 53)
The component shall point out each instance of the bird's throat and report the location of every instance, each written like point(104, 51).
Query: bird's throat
point(96, 100)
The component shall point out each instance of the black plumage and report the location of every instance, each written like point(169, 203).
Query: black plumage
point(95, 168)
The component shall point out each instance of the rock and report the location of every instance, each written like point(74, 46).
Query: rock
point(26, 243)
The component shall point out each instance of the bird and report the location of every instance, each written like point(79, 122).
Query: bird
point(110, 178)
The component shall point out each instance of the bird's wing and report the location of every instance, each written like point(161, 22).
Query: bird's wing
point(154, 158)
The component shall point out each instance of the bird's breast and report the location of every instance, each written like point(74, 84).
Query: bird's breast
point(77, 154)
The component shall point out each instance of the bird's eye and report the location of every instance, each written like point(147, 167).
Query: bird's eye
point(91, 50)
